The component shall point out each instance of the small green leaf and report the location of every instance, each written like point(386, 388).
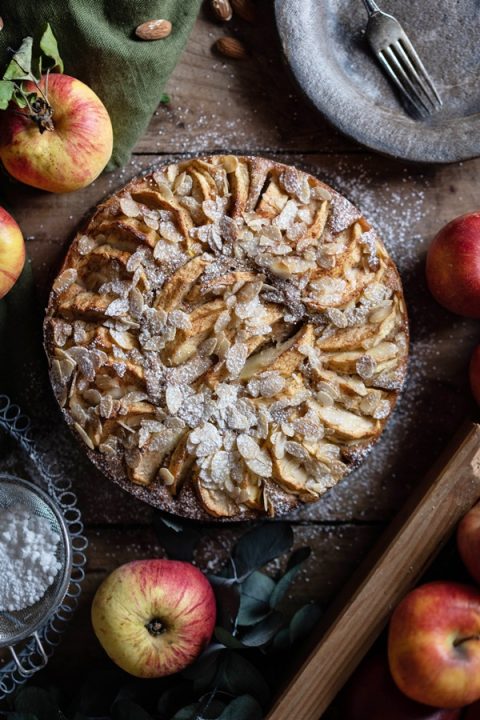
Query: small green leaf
point(294, 564)
point(165, 99)
point(256, 591)
point(304, 621)
point(49, 47)
point(7, 88)
point(244, 707)
point(129, 710)
point(187, 713)
point(239, 677)
point(281, 641)
point(262, 544)
point(227, 639)
point(20, 66)
point(261, 633)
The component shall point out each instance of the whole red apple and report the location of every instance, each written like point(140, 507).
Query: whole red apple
point(434, 645)
point(453, 266)
point(154, 617)
point(371, 694)
point(12, 252)
point(67, 144)
point(468, 541)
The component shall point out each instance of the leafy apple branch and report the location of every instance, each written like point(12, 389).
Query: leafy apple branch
point(14, 91)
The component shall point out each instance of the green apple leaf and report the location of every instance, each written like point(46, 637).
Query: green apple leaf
point(304, 621)
point(20, 66)
point(244, 707)
point(7, 88)
point(262, 544)
point(49, 47)
point(256, 591)
point(293, 566)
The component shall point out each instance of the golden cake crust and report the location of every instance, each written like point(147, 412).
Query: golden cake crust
point(227, 336)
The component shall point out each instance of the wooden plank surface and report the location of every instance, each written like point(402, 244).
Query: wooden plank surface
point(395, 565)
point(254, 107)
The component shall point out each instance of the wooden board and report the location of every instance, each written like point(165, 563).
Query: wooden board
point(396, 563)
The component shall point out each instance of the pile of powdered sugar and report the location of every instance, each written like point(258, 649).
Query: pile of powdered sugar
point(28, 563)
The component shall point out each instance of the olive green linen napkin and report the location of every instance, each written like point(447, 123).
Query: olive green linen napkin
point(97, 42)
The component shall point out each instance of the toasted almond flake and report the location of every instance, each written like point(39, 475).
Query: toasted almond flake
point(173, 398)
point(166, 476)
point(64, 280)
point(129, 207)
point(86, 438)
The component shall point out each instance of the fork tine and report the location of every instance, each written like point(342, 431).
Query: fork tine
point(425, 85)
point(399, 76)
point(409, 52)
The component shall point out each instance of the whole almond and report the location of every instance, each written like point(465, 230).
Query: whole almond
point(231, 47)
point(222, 10)
point(154, 30)
point(245, 9)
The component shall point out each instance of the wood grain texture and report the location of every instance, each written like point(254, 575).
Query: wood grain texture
point(364, 606)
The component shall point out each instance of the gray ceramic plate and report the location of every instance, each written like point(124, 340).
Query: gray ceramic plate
point(325, 46)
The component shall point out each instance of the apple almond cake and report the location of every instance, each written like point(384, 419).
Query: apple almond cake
point(228, 337)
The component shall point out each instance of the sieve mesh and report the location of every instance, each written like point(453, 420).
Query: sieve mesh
point(17, 625)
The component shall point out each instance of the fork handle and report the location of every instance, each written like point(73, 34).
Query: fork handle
point(371, 6)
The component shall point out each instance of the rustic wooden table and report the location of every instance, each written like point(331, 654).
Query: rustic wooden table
point(252, 106)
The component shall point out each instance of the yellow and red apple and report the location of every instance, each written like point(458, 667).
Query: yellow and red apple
point(154, 617)
point(12, 252)
point(468, 541)
point(371, 694)
point(453, 266)
point(66, 152)
point(434, 645)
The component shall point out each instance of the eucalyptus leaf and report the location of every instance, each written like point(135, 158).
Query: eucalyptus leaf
point(261, 633)
point(255, 595)
point(244, 707)
point(187, 713)
point(21, 716)
point(262, 544)
point(7, 88)
point(227, 639)
point(178, 540)
point(129, 710)
point(304, 621)
point(282, 641)
point(20, 66)
point(174, 697)
point(204, 670)
point(38, 702)
point(49, 47)
point(238, 676)
point(294, 564)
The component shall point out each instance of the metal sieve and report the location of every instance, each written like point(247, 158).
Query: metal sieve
point(22, 624)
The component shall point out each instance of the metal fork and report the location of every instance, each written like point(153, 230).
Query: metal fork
point(400, 60)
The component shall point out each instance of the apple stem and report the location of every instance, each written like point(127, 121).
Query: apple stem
point(155, 627)
point(460, 641)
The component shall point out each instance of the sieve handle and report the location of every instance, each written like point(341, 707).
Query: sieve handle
point(34, 667)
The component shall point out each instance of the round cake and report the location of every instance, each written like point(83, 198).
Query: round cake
point(227, 337)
